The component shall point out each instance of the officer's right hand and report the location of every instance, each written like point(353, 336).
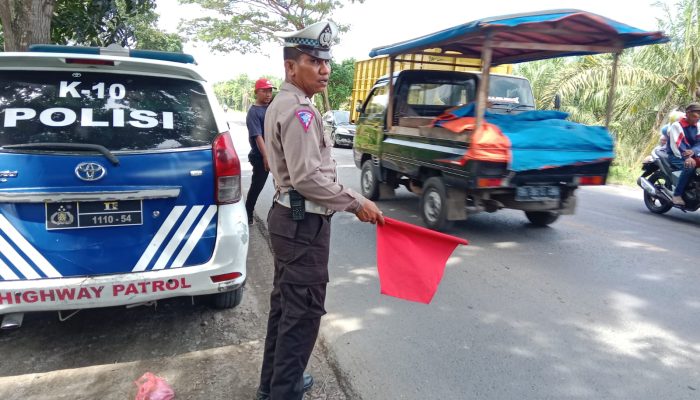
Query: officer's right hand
point(370, 213)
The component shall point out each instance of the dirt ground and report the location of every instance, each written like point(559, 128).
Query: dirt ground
point(203, 353)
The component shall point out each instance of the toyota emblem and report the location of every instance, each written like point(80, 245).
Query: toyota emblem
point(90, 171)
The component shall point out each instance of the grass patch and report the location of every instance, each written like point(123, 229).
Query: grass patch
point(623, 175)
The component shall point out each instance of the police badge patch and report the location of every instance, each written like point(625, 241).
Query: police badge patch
point(305, 117)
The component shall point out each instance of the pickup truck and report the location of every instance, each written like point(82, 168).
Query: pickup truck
point(471, 142)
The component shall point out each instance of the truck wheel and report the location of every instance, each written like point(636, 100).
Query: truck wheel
point(433, 204)
point(542, 218)
point(655, 204)
point(369, 182)
point(226, 300)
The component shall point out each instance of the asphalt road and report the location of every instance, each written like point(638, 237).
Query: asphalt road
point(604, 304)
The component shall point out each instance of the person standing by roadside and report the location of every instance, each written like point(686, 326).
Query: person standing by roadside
point(256, 136)
point(307, 194)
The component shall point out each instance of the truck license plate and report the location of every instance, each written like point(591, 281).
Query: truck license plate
point(93, 214)
point(537, 193)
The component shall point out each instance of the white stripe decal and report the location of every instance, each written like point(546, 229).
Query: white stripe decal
point(194, 237)
point(43, 264)
point(158, 239)
point(17, 260)
point(6, 273)
point(177, 238)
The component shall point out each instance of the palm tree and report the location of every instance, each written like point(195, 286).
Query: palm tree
point(652, 81)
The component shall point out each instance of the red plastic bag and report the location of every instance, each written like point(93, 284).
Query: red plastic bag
point(153, 387)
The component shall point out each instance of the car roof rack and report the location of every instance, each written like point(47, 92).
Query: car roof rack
point(115, 50)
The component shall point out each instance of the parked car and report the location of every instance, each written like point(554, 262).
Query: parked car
point(119, 183)
point(336, 123)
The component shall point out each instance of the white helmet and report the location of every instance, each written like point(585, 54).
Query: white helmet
point(675, 115)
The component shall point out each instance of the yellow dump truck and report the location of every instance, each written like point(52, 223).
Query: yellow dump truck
point(368, 71)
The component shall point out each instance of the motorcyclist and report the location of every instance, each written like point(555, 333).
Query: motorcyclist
point(684, 145)
point(673, 116)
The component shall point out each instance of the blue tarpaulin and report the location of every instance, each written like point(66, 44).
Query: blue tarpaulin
point(545, 139)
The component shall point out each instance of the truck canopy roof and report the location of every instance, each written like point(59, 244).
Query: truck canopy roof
point(531, 36)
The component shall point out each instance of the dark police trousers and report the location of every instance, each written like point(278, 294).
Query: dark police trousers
point(257, 183)
point(297, 299)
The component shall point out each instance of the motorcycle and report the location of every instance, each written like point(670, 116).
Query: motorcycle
point(658, 181)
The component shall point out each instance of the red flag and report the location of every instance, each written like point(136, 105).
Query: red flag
point(411, 259)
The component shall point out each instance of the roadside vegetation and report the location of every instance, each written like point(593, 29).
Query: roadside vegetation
point(237, 94)
point(652, 81)
point(129, 23)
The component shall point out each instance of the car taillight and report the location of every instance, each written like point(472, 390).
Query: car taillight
point(225, 277)
point(227, 170)
point(88, 61)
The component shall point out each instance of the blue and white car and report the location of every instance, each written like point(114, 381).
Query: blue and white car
point(119, 183)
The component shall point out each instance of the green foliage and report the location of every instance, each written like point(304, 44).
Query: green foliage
point(244, 25)
point(652, 81)
point(2, 38)
point(238, 94)
point(340, 84)
point(129, 23)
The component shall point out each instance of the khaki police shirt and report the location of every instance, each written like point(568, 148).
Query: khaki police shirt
point(299, 153)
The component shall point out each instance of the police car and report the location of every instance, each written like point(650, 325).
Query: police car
point(119, 182)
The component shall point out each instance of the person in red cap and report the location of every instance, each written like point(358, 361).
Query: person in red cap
point(256, 136)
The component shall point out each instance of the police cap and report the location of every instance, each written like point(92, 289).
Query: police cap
point(314, 40)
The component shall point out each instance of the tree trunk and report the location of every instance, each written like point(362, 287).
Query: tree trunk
point(26, 22)
point(326, 101)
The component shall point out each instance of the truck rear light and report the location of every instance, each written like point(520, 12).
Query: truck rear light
point(227, 170)
point(225, 277)
point(591, 180)
point(489, 182)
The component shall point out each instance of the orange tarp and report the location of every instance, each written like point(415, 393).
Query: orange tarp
point(487, 144)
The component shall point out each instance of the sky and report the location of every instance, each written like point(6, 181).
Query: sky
point(381, 22)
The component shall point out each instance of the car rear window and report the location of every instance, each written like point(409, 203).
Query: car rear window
point(117, 111)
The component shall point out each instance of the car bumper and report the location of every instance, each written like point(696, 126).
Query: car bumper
point(229, 257)
point(344, 140)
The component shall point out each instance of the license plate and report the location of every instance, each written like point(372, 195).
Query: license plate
point(93, 214)
point(537, 193)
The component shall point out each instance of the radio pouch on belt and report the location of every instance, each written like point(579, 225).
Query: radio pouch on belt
point(296, 203)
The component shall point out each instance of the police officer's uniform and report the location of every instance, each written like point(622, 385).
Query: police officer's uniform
point(299, 156)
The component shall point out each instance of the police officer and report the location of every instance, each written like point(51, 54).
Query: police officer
point(306, 196)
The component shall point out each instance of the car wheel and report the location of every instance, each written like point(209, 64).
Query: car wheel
point(542, 218)
point(433, 204)
point(369, 184)
point(656, 204)
point(226, 300)
point(333, 140)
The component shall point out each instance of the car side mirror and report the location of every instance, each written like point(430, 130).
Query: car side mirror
point(557, 101)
